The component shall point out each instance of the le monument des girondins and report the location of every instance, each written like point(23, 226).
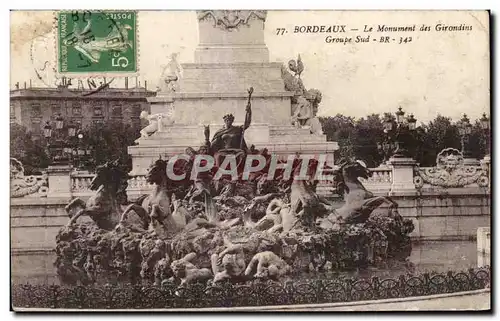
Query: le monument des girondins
point(233, 197)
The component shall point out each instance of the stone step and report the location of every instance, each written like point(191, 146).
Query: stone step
point(162, 139)
point(193, 142)
point(198, 132)
point(296, 138)
point(288, 130)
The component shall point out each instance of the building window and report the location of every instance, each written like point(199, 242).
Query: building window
point(36, 111)
point(136, 110)
point(36, 126)
point(116, 111)
point(77, 109)
point(97, 111)
point(12, 112)
point(56, 109)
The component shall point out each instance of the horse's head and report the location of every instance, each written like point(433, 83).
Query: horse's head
point(103, 176)
point(352, 170)
point(157, 172)
point(111, 175)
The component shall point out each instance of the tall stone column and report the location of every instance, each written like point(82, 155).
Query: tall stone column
point(231, 57)
point(231, 36)
point(402, 175)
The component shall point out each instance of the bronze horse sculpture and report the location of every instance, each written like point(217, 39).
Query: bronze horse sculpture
point(158, 204)
point(359, 203)
point(105, 206)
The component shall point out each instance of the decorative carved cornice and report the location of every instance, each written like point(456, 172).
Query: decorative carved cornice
point(450, 171)
point(231, 19)
point(21, 186)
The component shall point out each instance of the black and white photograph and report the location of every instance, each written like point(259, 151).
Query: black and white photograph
point(250, 160)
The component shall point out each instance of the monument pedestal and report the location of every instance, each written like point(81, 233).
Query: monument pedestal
point(402, 176)
point(231, 57)
point(59, 180)
point(280, 140)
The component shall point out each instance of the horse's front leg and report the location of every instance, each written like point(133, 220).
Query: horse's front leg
point(389, 201)
point(140, 211)
point(393, 208)
point(84, 211)
point(374, 202)
point(74, 207)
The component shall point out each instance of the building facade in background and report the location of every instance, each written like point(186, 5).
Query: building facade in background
point(33, 107)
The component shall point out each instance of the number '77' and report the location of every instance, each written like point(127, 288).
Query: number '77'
point(280, 31)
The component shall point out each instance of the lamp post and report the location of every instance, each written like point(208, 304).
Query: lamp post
point(412, 122)
point(59, 122)
point(79, 150)
point(71, 129)
point(60, 140)
point(386, 149)
point(485, 125)
point(47, 130)
point(398, 134)
point(71, 135)
point(47, 133)
point(464, 130)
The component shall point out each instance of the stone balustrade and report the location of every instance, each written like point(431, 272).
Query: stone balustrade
point(139, 183)
point(80, 183)
point(399, 176)
point(380, 181)
point(382, 174)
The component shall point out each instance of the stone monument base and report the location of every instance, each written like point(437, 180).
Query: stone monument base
point(281, 140)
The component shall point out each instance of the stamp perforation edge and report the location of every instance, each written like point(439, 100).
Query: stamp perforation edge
point(87, 74)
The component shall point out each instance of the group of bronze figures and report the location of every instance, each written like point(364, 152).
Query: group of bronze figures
point(205, 229)
point(221, 228)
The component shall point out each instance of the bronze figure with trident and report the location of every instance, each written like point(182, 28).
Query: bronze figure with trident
point(230, 139)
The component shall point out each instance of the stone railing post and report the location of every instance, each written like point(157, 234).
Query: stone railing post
point(402, 175)
point(486, 165)
point(59, 177)
point(483, 246)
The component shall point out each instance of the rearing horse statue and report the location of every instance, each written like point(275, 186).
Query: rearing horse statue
point(105, 206)
point(157, 203)
point(359, 203)
point(305, 204)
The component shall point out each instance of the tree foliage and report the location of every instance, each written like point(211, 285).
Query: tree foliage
point(359, 138)
point(108, 141)
point(356, 138)
point(28, 151)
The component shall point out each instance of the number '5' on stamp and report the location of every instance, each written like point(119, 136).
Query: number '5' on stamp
point(97, 42)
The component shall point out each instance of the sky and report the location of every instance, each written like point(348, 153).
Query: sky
point(443, 73)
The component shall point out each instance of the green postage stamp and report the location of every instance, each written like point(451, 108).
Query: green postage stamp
point(97, 42)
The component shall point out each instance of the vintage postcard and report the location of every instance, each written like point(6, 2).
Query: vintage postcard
point(250, 160)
